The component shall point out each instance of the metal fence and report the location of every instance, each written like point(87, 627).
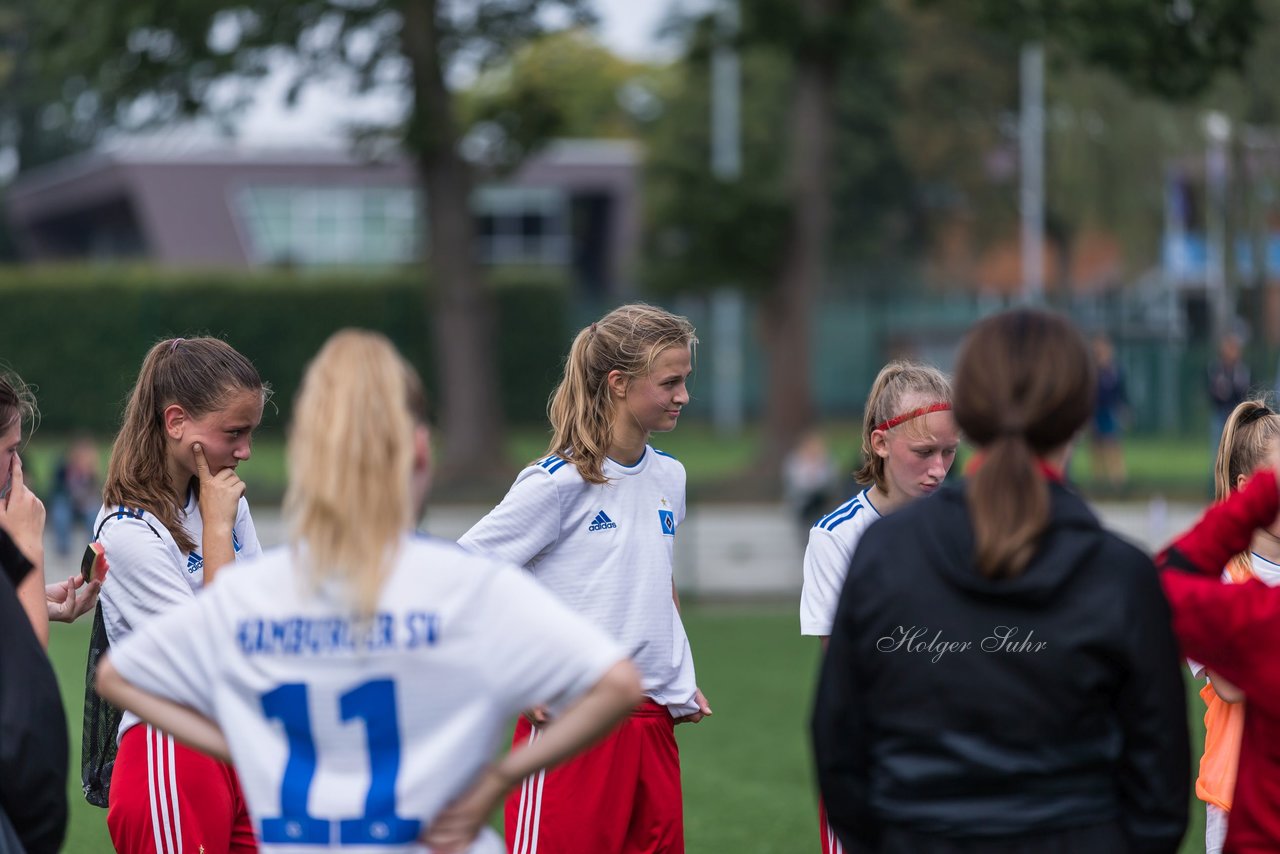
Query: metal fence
point(1166, 375)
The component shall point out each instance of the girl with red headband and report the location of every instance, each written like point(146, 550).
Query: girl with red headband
point(909, 441)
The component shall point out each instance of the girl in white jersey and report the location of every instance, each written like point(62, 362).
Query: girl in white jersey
point(362, 677)
point(909, 441)
point(1249, 440)
point(595, 522)
point(173, 515)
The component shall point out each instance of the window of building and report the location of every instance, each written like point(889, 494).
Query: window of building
point(312, 226)
point(522, 225)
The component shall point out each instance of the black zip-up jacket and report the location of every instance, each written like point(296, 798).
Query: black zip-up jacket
point(957, 707)
point(33, 726)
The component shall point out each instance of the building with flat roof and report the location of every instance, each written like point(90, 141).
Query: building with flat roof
point(573, 205)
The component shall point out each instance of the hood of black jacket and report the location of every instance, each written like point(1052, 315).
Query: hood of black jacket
point(1072, 536)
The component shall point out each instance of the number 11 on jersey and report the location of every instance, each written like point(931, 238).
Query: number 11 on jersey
point(373, 702)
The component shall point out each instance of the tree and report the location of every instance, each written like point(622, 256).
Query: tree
point(565, 84)
point(848, 78)
point(810, 73)
point(34, 127)
point(1172, 49)
point(145, 63)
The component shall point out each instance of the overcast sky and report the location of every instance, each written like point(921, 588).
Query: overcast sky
point(626, 26)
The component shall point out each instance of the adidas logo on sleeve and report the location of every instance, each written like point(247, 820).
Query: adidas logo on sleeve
point(602, 522)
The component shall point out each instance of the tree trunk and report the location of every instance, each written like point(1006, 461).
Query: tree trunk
point(463, 312)
point(786, 310)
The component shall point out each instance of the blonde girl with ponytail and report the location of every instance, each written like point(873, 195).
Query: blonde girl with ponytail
point(909, 442)
point(1248, 443)
point(595, 520)
point(362, 676)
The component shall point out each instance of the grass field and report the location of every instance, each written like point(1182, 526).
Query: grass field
point(747, 773)
point(720, 468)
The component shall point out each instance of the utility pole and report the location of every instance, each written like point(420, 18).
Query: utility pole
point(727, 308)
point(726, 95)
point(1031, 146)
point(1217, 129)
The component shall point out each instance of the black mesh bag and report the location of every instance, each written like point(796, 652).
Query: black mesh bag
point(101, 719)
point(101, 722)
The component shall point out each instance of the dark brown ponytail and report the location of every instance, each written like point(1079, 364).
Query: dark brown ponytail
point(1024, 384)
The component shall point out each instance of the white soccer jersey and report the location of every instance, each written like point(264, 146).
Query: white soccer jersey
point(606, 550)
point(148, 574)
point(358, 734)
point(832, 541)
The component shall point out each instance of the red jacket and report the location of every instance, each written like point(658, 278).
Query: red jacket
point(1234, 629)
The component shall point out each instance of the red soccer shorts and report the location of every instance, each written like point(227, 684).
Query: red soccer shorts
point(621, 796)
point(830, 844)
point(167, 798)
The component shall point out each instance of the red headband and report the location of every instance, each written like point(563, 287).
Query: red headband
point(915, 413)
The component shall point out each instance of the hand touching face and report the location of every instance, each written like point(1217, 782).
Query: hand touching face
point(225, 434)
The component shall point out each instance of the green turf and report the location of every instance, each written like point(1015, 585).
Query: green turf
point(87, 831)
point(747, 773)
point(1175, 467)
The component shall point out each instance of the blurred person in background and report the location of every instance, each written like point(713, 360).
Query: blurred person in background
point(1228, 384)
point(1110, 415)
point(809, 480)
point(76, 495)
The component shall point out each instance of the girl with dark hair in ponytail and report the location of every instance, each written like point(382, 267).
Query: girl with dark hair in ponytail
point(1002, 675)
point(173, 514)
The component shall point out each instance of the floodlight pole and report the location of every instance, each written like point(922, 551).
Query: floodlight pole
point(727, 306)
point(1217, 128)
point(1031, 149)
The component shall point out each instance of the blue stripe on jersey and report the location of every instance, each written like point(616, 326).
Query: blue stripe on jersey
point(553, 463)
point(841, 509)
point(843, 513)
point(663, 453)
point(633, 465)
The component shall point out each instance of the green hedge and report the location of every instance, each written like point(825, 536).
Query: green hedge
point(79, 334)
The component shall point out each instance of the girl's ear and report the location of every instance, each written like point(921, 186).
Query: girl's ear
point(421, 448)
point(880, 444)
point(618, 382)
point(420, 477)
point(175, 420)
point(1241, 480)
